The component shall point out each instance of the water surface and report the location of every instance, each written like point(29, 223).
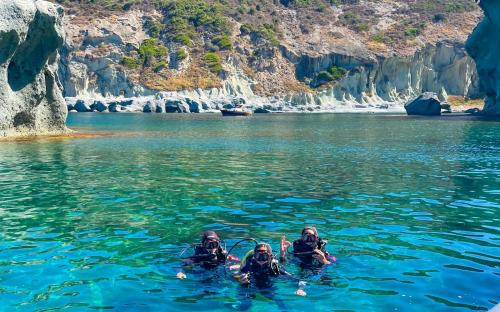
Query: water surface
point(410, 206)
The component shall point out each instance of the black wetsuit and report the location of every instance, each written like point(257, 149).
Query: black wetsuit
point(303, 252)
point(261, 278)
point(261, 275)
point(207, 260)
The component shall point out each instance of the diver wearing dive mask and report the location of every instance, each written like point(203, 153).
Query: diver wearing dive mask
point(260, 264)
point(310, 248)
point(209, 253)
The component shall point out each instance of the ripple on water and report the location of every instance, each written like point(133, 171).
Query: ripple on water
point(100, 223)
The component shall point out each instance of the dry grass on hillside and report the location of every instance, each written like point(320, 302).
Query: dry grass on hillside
point(194, 77)
point(461, 103)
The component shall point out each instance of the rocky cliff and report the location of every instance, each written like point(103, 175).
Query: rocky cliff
point(313, 55)
point(484, 46)
point(31, 100)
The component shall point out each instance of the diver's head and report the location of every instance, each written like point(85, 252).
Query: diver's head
point(210, 241)
point(263, 254)
point(309, 235)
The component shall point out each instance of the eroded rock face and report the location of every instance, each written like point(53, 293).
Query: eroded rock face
point(483, 46)
point(31, 100)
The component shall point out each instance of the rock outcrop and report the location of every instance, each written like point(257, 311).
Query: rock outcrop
point(31, 100)
point(427, 104)
point(483, 46)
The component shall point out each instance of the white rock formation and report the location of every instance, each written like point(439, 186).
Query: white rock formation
point(483, 46)
point(31, 99)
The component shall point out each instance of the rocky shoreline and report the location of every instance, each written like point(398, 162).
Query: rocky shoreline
point(174, 103)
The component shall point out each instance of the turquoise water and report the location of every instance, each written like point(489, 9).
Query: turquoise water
point(411, 208)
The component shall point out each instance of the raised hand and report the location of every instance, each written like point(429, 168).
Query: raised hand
point(284, 244)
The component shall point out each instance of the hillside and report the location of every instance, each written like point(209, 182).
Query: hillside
point(279, 47)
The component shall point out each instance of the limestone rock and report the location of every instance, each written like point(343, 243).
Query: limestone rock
point(483, 46)
point(31, 99)
point(99, 106)
point(427, 104)
point(176, 106)
point(82, 107)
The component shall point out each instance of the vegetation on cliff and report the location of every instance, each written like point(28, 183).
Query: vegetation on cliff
point(208, 34)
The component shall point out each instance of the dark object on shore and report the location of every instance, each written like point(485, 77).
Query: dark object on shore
point(261, 110)
point(426, 104)
point(235, 112)
point(473, 111)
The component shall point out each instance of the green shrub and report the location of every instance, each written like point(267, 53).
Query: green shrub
point(195, 16)
point(130, 62)
point(213, 61)
point(379, 38)
point(158, 66)
point(181, 54)
point(154, 27)
point(336, 72)
point(265, 31)
point(412, 32)
point(150, 50)
point(184, 39)
point(223, 42)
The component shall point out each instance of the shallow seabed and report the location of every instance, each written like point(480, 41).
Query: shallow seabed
point(411, 208)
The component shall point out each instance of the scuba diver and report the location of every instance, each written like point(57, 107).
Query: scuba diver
point(309, 249)
point(209, 253)
point(259, 265)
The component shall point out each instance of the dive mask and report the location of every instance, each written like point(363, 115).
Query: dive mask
point(211, 245)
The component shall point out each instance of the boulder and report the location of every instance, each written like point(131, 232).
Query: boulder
point(148, 108)
point(473, 111)
point(194, 107)
point(31, 100)
point(427, 104)
point(99, 106)
point(261, 110)
point(114, 108)
point(176, 106)
point(158, 109)
point(82, 107)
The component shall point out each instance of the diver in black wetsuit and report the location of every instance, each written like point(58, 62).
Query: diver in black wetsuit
point(258, 268)
point(310, 249)
point(208, 254)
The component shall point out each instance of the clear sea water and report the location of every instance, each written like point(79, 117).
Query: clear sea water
point(410, 206)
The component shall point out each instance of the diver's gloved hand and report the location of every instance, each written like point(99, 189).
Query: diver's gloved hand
point(320, 256)
point(181, 275)
point(245, 278)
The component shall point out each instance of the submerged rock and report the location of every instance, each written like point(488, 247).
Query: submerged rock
point(483, 46)
point(31, 100)
point(427, 104)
